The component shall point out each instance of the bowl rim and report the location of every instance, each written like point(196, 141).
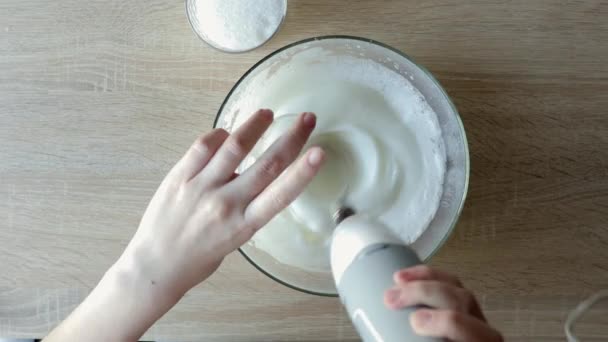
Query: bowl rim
point(407, 57)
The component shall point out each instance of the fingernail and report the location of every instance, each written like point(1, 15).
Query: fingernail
point(392, 296)
point(309, 119)
point(404, 276)
point(315, 157)
point(421, 318)
point(267, 113)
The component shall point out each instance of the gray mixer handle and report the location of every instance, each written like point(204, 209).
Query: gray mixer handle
point(361, 289)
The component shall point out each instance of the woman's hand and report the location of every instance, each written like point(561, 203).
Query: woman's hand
point(202, 210)
point(453, 311)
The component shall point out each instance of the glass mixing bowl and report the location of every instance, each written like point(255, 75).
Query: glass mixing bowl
point(457, 155)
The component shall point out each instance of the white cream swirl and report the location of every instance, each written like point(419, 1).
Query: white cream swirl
point(383, 143)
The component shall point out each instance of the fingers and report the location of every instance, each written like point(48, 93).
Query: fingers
point(199, 154)
point(453, 325)
point(430, 293)
point(422, 285)
point(276, 159)
point(235, 148)
point(454, 312)
point(423, 272)
point(280, 193)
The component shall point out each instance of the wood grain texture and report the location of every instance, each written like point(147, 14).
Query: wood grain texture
point(99, 98)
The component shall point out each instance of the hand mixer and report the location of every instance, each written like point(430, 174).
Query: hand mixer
point(364, 256)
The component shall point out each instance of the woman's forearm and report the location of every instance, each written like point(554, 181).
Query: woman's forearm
point(120, 308)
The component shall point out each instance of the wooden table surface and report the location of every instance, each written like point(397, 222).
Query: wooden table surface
point(99, 98)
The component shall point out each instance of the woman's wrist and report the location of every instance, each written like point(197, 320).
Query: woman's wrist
point(135, 300)
point(130, 276)
point(122, 307)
